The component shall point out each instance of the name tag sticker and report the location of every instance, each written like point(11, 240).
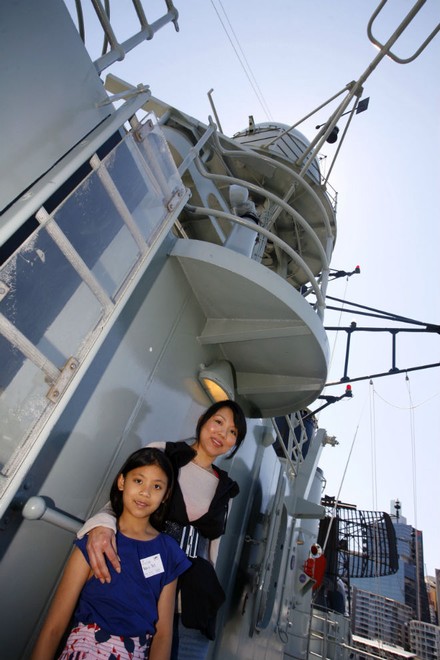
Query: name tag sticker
point(152, 565)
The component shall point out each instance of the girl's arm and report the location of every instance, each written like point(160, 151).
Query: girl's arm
point(63, 604)
point(163, 637)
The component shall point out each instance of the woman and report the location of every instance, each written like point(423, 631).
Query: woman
point(197, 518)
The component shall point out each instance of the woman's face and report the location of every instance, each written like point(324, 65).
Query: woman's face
point(218, 434)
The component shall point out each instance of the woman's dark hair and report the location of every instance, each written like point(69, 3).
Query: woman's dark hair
point(139, 458)
point(239, 420)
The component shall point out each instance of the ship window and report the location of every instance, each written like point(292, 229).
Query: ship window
point(30, 225)
point(144, 197)
point(94, 227)
point(69, 279)
point(21, 403)
point(47, 300)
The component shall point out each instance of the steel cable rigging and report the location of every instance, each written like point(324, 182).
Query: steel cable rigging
point(242, 59)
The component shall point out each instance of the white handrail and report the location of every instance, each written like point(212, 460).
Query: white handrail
point(262, 191)
point(119, 50)
point(285, 168)
point(202, 211)
point(266, 193)
point(401, 28)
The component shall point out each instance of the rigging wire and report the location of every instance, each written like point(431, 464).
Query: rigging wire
point(380, 313)
point(334, 511)
point(337, 498)
point(414, 487)
point(243, 60)
point(413, 448)
point(373, 445)
point(374, 485)
point(339, 321)
point(413, 406)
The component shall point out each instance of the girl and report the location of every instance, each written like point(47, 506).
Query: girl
point(134, 611)
point(197, 519)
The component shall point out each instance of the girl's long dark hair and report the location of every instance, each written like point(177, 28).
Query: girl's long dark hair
point(141, 457)
point(239, 420)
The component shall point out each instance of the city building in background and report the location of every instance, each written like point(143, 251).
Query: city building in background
point(399, 609)
point(432, 584)
point(407, 585)
point(424, 640)
point(367, 649)
point(377, 617)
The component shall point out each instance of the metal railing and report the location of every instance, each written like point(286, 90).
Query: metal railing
point(118, 50)
point(323, 252)
point(202, 211)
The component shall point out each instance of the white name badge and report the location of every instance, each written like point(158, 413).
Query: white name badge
point(152, 565)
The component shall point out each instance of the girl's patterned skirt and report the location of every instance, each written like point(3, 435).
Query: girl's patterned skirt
point(89, 641)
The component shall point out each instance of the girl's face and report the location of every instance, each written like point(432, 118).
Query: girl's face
point(218, 434)
point(143, 490)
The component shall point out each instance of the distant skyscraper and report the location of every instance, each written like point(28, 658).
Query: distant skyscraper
point(407, 586)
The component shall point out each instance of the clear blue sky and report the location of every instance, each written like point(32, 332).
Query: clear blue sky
point(301, 53)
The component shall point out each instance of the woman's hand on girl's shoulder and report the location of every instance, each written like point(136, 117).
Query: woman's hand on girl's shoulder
point(101, 542)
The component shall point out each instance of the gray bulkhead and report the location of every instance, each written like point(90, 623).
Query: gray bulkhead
point(53, 94)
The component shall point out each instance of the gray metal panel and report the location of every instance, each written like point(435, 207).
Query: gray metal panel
point(50, 90)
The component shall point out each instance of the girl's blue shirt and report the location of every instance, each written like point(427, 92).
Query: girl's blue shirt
point(127, 606)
